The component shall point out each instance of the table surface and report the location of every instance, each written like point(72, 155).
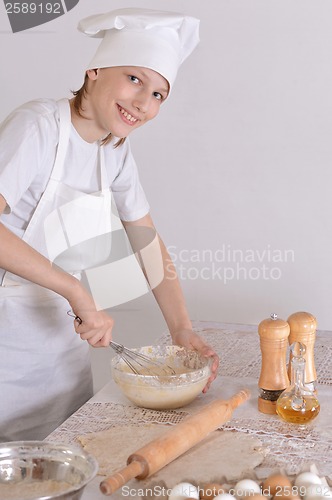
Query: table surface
point(288, 446)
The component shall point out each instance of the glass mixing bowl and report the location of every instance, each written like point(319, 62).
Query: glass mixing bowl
point(161, 392)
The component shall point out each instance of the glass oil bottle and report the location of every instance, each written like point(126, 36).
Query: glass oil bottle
point(298, 404)
point(303, 329)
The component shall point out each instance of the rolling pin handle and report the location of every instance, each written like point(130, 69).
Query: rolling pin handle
point(120, 478)
point(239, 398)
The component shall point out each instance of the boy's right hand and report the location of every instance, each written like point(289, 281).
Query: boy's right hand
point(94, 326)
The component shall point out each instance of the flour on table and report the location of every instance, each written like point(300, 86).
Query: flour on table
point(222, 456)
point(111, 448)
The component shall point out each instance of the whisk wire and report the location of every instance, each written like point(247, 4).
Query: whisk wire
point(146, 363)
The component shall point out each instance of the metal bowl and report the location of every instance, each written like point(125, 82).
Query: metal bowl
point(37, 470)
point(163, 392)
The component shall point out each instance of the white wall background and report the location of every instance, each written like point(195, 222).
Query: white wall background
point(237, 167)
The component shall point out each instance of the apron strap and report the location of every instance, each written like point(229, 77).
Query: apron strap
point(64, 134)
point(103, 172)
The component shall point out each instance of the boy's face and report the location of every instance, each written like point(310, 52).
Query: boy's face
point(123, 98)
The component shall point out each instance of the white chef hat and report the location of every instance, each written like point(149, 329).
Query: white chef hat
point(140, 37)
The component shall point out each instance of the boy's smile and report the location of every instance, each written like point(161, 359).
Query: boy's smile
point(127, 117)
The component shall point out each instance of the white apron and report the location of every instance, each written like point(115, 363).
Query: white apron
point(45, 372)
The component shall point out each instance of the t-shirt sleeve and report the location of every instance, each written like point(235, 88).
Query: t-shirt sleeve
point(127, 191)
point(20, 155)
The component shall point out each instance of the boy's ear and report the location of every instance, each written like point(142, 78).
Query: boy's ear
point(93, 73)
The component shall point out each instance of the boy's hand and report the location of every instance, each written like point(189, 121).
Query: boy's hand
point(191, 340)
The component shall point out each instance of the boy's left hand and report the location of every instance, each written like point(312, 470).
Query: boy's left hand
point(191, 340)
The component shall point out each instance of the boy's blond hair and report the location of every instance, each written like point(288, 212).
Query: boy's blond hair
point(78, 97)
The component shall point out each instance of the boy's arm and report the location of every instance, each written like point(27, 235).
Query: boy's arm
point(168, 293)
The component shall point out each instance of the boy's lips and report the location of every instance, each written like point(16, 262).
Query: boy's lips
point(126, 116)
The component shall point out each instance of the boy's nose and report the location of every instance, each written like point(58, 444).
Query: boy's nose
point(141, 103)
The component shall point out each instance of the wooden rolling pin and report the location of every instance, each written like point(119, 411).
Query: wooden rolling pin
point(163, 450)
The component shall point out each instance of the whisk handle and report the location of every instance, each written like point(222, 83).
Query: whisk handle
point(119, 348)
point(77, 318)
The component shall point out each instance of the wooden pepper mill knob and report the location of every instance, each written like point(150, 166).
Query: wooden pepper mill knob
point(273, 380)
point(303, 329)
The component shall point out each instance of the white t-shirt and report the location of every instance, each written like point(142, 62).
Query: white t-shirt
point(28, 142)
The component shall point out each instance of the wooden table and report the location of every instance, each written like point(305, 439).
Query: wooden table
point(240, 361)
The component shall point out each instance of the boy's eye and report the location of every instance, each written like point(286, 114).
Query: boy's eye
point(134, 78)
point(158, 96)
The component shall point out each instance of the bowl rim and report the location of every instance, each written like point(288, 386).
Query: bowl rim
point(130, 375)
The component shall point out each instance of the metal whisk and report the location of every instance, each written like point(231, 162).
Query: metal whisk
point(139, 363)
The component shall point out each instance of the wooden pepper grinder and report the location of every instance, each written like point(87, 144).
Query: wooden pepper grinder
point(303, 329)
point(273, 380)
